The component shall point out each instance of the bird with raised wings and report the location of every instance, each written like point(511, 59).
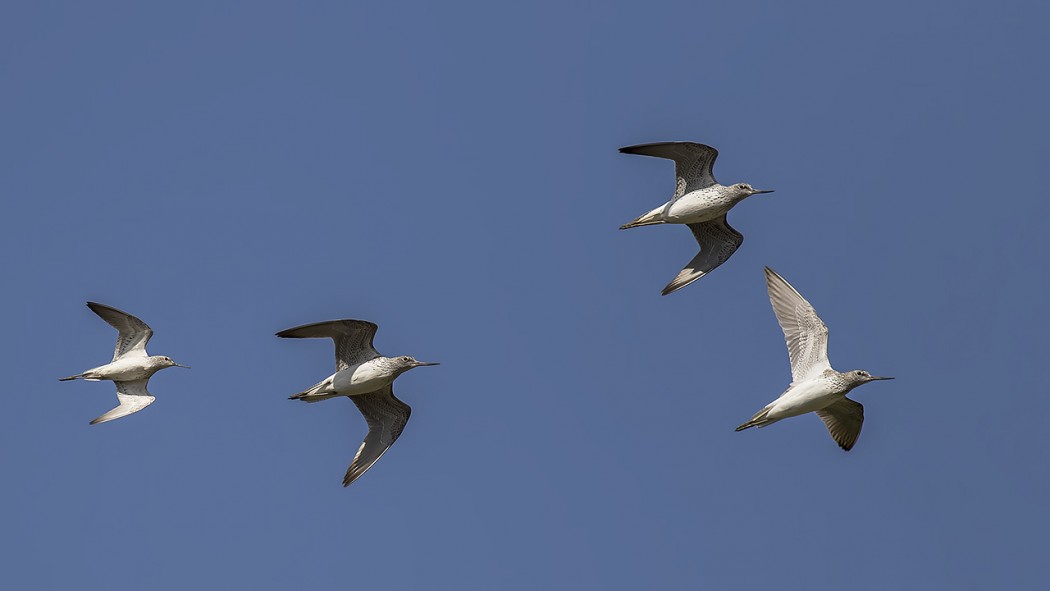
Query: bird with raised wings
point(131, 366)
point(815, 386)
point(367, 378)
point(699, 202)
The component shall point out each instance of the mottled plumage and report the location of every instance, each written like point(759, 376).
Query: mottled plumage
point(366, 377)
point(131, 366)
point(698, 202)
point(815, 386)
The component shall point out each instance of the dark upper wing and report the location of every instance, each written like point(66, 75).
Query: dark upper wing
point(843, 420)
point(353, 339)
point(692, 162)
point(718, 241)
point(134, 333)
point(387, 417)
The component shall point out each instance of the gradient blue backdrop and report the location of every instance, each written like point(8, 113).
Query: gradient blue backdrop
point(449, 170)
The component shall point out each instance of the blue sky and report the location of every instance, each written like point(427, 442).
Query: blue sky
point(450, 171)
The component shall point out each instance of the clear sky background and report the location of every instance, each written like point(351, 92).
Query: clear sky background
point(449, 171)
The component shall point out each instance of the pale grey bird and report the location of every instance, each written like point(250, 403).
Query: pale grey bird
point(131, 367)
point(699, 202)
point(367, 378)
point(815, 386)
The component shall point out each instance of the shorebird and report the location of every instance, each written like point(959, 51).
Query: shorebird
point(699, 202)
point(131, 367)
point(367, 378)
point(815, 386)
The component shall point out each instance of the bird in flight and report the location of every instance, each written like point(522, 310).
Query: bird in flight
point(699, 202)
point(815, 386)
point(367, 378)
point(131, 366)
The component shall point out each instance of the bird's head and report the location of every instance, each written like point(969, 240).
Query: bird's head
point(165, 361)
point(405, 363)
point(743, 190)
point(859, 376)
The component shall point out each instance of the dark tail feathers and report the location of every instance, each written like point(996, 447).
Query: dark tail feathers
point(759, 420)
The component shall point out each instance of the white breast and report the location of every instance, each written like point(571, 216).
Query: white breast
point(699, 206)
point(361, 379)
point(804, 397)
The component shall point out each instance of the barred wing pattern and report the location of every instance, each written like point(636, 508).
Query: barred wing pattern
point(718, 241)
point(133, 333)
point(386, 417)
point(693, 163)
point(353, 339)
point(805, 333)
point(843, 419)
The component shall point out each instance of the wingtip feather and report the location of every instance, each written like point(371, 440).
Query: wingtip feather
point(679, 282)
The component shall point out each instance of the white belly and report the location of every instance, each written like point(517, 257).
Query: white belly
point(698, 206)
point(133, 368)
point(802, 398)
point(360, 379)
